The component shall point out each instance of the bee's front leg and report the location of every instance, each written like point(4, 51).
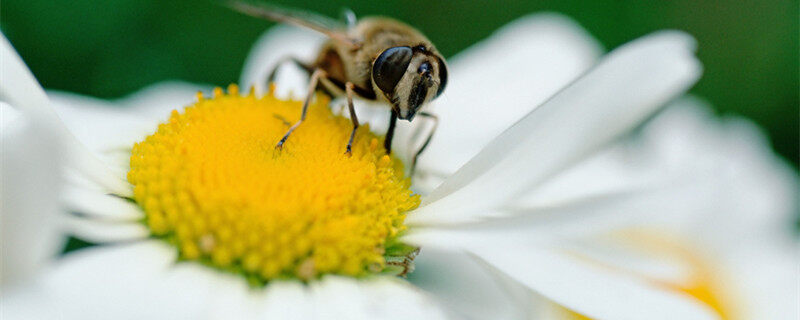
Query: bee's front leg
point(312, 86)
point(349, 89)
point(387, 142)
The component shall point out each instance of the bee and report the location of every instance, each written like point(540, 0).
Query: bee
point(375, 58)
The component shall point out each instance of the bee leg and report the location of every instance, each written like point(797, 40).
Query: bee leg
point(427, 140)
point(274, 73)
point(387, 142)
point(312, 86)
point(349, 87)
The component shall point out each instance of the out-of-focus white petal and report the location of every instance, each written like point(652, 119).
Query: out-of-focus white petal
point(588, 289)
point(765, 277)
point(751, 198)
point(467, 288)
point(100, 124)
point(337, 297)
point(101, 206)
point(497, 81)
point(143, 280)
point(612, 98)
point(375, 298)
point(285, 300)
point(278, 43)
point(99, 231)
point(147, 274)
point(30, 300)
point(106, 125)
point(21, 90)
point(754, 193)
point(156, 102)
point(735, 211)
point(19, 87)
point(392, 298)
point(113, 281)
point(30, 180)
point(219, 295)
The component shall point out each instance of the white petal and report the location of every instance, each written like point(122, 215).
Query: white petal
point(98, 231)
point(99, 124)
point(765, 278)
point(614, 170)
point(338, 298)
point(20, 88)
point(111, 125)
point(118, 282)
point(590, 290)
point(612, 98)
point(30, 300)
point(467, 288)
point(752, 191)
point(22, 91)
point(587, 216)
point(750, 202)
point(156, 102)
point(30, 179)
point(214, 294)
point(286, 300)
point(143, 280)
point(280, 42)
point(725, 176)
point(392, 298)
point(497, 81)
point(100, 206)
point(346, 298)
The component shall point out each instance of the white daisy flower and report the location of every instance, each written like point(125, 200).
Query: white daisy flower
point(211, 223)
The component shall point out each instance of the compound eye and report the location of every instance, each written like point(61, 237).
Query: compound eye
point(442, 77)
point(390, 66)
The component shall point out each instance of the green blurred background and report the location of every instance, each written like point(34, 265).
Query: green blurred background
point(113, 47)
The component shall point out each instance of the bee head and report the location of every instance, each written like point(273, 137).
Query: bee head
point(409, 77)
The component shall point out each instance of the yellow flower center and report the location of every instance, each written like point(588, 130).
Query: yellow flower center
point(212, 183)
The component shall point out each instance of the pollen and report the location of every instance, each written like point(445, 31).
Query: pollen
point(212, 183)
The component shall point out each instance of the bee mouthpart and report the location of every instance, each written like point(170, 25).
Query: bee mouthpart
point(407, 116)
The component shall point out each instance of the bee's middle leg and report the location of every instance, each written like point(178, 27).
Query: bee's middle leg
point(349, 89)
point(312, 86)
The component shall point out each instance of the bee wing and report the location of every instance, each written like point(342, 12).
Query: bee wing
point(332, 28)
